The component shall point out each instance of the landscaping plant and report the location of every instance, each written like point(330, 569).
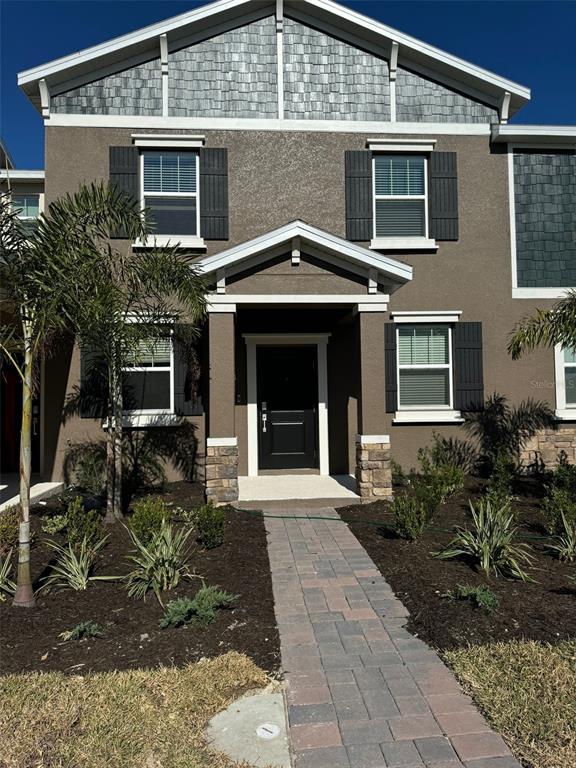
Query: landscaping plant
point(147, 517)
point(481, 596)
point(201, 610)
point(91, 472)
point(453, 452)
point(82, 524)
point(7, 586)
point(54, 524)
point(82, 631)
point(411, 517)
point(74, 566)
point(559, 507)
point(491, 542)
point(9, 521)
point(159, 564)
point(399, 477)
point(564, 545)
point(210, 522)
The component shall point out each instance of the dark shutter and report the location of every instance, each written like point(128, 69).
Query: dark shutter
point(124, 165)
point(390, 368)
point(468, 369)
point(443, 196)
point(359, 203)
point(187, 401)
point(214, 193)
point(93, 385)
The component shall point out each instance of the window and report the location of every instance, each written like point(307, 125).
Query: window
point(27, 207)
point(400, 190)
point(148, 378)
point(424, 367)
point(170, 192)
point(566, 382)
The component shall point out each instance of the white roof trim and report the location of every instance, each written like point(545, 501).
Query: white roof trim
point(21, 175)
point(392, 268)
point(146, 39)
point(534, 134)
point(434, 316)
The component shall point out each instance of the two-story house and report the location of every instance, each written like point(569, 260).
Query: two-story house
point(370, 224)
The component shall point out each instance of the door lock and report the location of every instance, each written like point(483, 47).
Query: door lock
point(264, 420)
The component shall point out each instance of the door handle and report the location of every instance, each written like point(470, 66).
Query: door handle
point(264, 420)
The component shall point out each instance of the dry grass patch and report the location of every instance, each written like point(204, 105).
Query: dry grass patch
point(134, 719)
point(528, 692)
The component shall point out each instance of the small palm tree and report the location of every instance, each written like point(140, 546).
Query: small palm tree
point(546, 327)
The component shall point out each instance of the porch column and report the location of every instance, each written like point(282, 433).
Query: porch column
point(221, 442)
point(373, 471)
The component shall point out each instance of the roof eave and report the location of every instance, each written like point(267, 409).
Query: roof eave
point(534, 134)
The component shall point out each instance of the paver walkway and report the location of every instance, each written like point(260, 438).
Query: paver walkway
point(362, 691)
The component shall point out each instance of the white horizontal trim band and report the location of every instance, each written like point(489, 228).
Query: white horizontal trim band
point(20, 175)
point(429, 417)
point(401, 145)
point(221, 442)
point(566, 414)
point(380, 299)
point(403, 244)
point(372, 439)
point(540, 293)
point(175, 241)
point(448, 316)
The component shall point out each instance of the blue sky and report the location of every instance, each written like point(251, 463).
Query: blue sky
point(533, 43)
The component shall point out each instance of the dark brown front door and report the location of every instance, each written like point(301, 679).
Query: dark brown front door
point(287, 407)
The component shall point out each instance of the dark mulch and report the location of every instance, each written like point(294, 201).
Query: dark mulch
point(544, 611)
point(29, 638)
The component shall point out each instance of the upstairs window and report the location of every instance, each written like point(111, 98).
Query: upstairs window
point(400, 190)
point(148, 377)
point(170, 192)
point(27, 208)
point(566, 382)
point(424, 367)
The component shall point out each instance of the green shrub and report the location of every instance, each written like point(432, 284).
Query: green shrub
point(82, 524)
point(9, 526)
point(200, 611)
point(559, 506)
point(564, 475)
point(564, 545)
point(7, 586)
point(411, 517)
point(491, 543)
point(429, 494)
point(500, 485)
point(454, 452)
point(160, 563)
point(481, 596)
point(54, 524)
point(442, 480)
point(83, 630)
point(74, 565)
point(399, 477)
point(91, 472)
point(147, 517)
point(210, 522)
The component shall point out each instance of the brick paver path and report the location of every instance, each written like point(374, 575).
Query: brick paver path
point(362, 691)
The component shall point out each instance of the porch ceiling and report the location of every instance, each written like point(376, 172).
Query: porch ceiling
point(296, 236)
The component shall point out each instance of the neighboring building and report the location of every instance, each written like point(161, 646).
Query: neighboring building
point(371, 225)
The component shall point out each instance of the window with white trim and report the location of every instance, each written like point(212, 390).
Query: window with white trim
point(400, 192)
point(566, 379)
point(170, 191)
point(148, 377)
point(27, 209)
point(424, 367)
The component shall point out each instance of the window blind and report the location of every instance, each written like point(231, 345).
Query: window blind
point(399, 175)
point(423, 345)
point(170, 172)
point(424, 387)
point(151, 354)
point(400, 218)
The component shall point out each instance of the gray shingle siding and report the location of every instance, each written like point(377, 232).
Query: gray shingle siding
point(135, 91)
point(545, 205)
point(423, 100)
point(327, 79)
point(230, 75)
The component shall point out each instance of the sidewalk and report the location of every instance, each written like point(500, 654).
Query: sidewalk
point(362, 691)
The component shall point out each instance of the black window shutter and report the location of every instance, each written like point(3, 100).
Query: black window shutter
point(187, 402)
point(359, 203)
point(390, 367)
point(124, 174)
point(468, 368)
point(93, 389)
point(443, 196)
point(213, 193)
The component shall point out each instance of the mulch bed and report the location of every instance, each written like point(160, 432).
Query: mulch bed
point(29, 638)
point(543, 611)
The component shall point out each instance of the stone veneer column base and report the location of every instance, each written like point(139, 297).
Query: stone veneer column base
point(221, 480)
point(373, 470)
point(548, 444)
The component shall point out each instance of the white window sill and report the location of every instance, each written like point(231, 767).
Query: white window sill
point(566, 414)
point(137, 420)
point(430, 417)
point(179, 241)
point(403, 244)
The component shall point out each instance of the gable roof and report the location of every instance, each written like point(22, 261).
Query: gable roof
point(347, 23)
point(389, 270)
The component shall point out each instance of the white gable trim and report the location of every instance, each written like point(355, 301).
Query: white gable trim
point(391, 268)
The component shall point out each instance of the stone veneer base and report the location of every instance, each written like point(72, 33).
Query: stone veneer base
point(548, 444)
point(221, 480)
point(373, 470)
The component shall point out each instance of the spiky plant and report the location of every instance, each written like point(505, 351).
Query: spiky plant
point(74, 566)
point(7, 586)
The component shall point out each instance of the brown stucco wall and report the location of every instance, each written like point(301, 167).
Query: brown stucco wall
point(278, 177)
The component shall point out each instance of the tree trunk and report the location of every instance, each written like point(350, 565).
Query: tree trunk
point(114, 444)
point(118, 430)
point(24, 595)
point(110, 463)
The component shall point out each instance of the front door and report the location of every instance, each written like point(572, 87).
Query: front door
point(287, 407)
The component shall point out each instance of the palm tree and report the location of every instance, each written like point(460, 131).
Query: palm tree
point(124, 299)
point(547, 327)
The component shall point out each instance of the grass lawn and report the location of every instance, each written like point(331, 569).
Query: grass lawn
point(528, 692)
point(146, 718)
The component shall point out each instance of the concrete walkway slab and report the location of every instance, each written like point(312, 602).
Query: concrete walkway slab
point(362, 691)
point(253, 729)
point(288, 486)
point(10, 494)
